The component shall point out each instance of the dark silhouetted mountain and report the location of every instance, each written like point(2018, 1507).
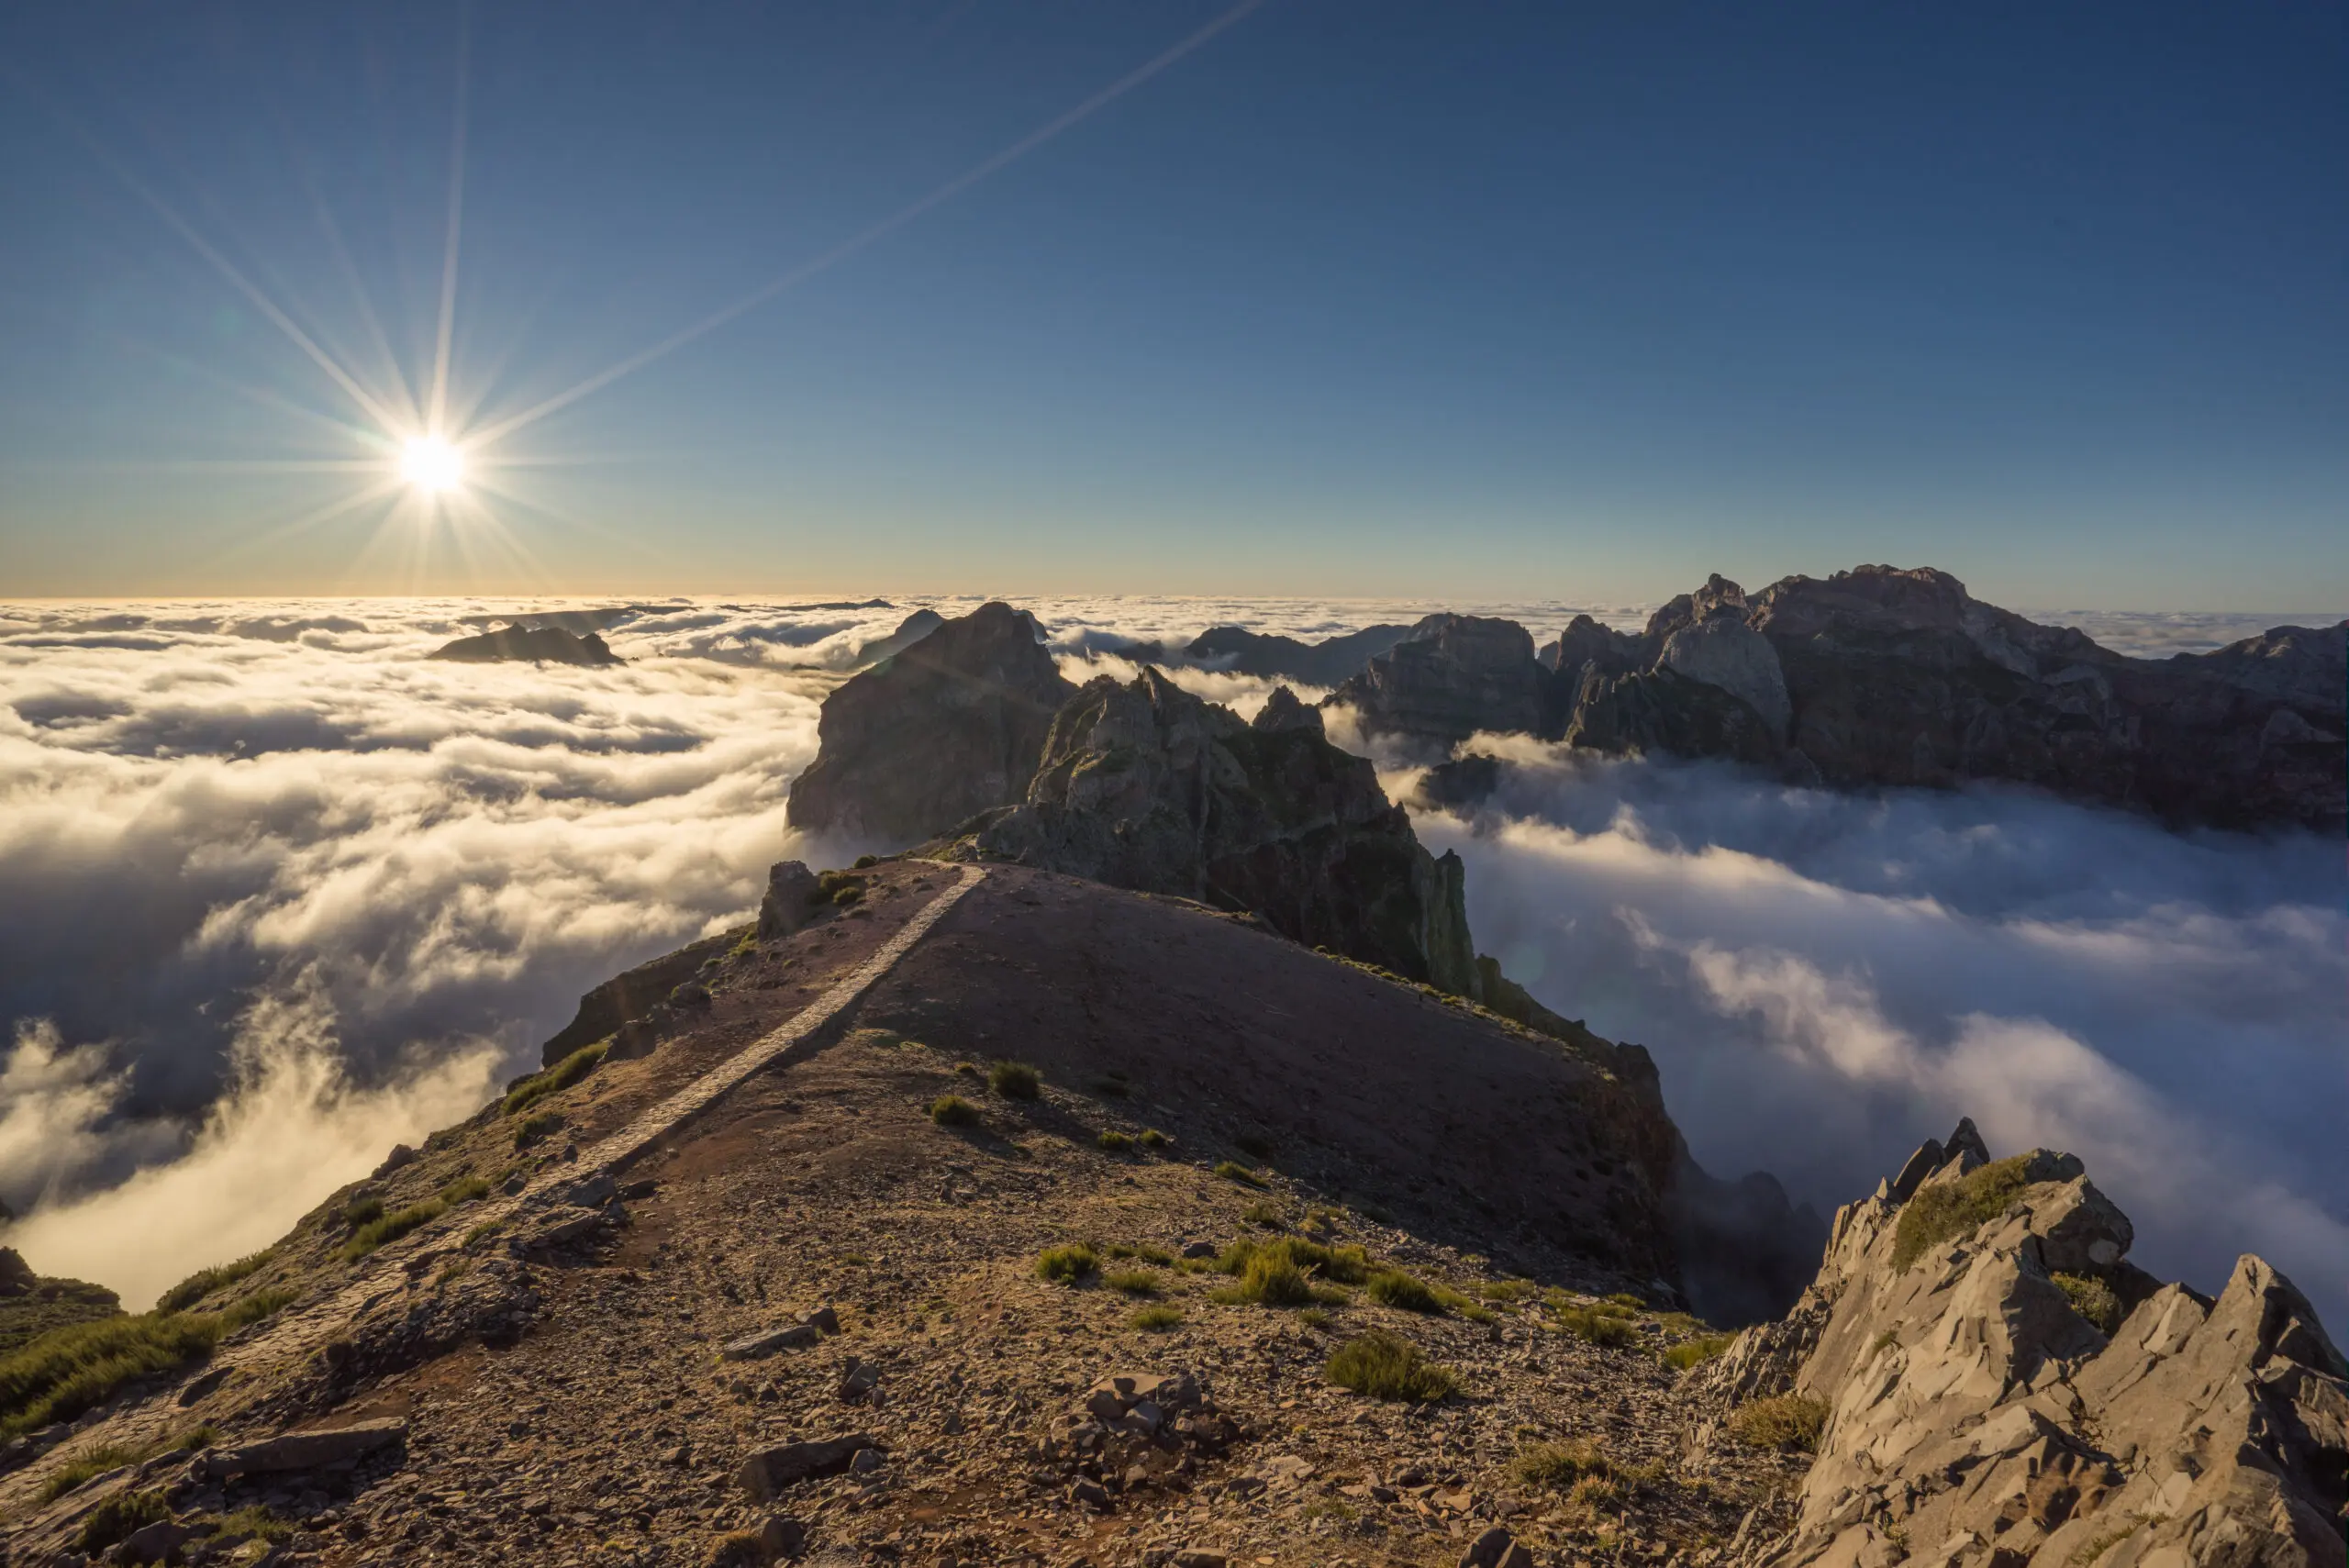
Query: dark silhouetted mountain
point(544, 645)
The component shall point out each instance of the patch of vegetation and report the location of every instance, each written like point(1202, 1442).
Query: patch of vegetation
point(1594, 1325)
point(535, 1126)
point(1452, 1301)
point(363, 1211)
point(560, 1076)
point(866, 863)
point(251, 1309)
point(1787, 1422)
point(1156, 1320)
point(1404, 1293)
point(737, 1549)
point(486, 1228)
point(1697, 1352)
point(1153, 1139)
point(85, 1465)
point(391, 1228)
point(1886, 1341)
point(1315, 1318)
point(1141, 1249)
point(1505, 1290)
point(1131, 1282)
point(204, 1281)
point(115, 1519)
point(1557, 1466)
point(465, 1189)
point(1384, 1366)
point(255, 1520)
point(1115, 1142)
point(1270, 1279)
point(1339, 1265)
point(1267, 1216)
point(953, 1110)
point(1070, 1264)
point(1624, 1299)
point(2092, 1299)
point(67, 1370)
point(1233, 1171)
point(969, 1069)
point(1015, 1080)
point(1945, 1211)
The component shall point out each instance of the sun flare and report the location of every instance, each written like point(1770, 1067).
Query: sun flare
point(432, 464)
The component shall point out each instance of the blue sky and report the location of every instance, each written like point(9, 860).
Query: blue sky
point(1523, 300)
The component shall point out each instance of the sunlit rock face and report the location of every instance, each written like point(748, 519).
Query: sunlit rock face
point(934, 734)
point(1998, 1384)
point(1144, 785)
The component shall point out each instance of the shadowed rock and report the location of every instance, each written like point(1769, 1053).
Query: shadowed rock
point(537, 645)
point(1324, 664)
point(1451, 677)
point(933, 736)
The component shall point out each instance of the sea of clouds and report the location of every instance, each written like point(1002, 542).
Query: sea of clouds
point(278, 891)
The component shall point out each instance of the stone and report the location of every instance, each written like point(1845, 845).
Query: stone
point(1495, 1548)
point(825, 1319)
point(790, 901)
point(866, 1462)
point(783, 1535)
point(304, 1451)
point(1092, 1494)
point(766, 1472)
point(400, 1156)
point(768, 1341)
point(857, 1381)
point(156, 1542)
point(948, 728)
point(1201, 1557)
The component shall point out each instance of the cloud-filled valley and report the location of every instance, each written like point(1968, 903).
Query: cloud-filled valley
point(276, 890)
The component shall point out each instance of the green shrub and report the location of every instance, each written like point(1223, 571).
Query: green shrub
point(969, 1069)
point(2092, 1299)
point(1505, 1290)
point(1141, 1249)
point(847, 897)
point(1267, 1216)
point(1404, 1293)
point(535, 1126)
point(1387, 1367)
point(465, 1189)
point(1595, 1326)
point(866, 863)
point(362, 1211)
point(1233, 1170)
point(1015, 1080)
point(391, 1228)
point(560, 1076)
point(1625, 1299)
point(83, 1464)
point(1156, 1318)
point(1272, 1280)
point(1697, 1352)
point(1115, 1142)
point(1153, 1139)
point(1069, 1264)
point(251, 1309)
point(1788, 1421)
point(1131, 1282)
point(1557, 1466)
point(204, 1281)
point(1341, 1265)
point(116, 1519)
point(1315, 1318)
point(953, 1110)
point(1944, 1211)
point(66, 1371)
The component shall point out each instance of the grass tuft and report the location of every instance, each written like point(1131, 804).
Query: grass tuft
point(1946, 1210)
point(1384, 1366)
point(1112, 1141)
point(1404, 1293)
point(1015, 1080)
point(1070, 1264)
point(465, 1189)
point(2092, 1299)
point(1557, 1466)
point(1131, 1282)
point(116, 1519)
point(953, 1110)
point(1697, 1352)
point(391, 1228)
point(67, 1370)
point(1156, 1320)
point(1233, 1171)
point(204, 1281)
point(1153, 1139)
point(1787, 1422)
point(535, 1126)
point(560, 1076)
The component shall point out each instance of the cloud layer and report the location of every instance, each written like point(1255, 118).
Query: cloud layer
point(277, 891)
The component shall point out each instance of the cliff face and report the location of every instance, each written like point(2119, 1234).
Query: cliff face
point(1998, 1385)
point(1142, 785)
point(945, 728)
point(1453, 676)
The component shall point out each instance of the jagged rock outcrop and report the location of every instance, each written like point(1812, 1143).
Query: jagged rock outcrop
point(1664, 710)
point(1277, 658)
point(910, 630)
point(1144, 785)
point(1453, 676)
point(537, 645)
point(947, 727)
point(1999, 1387)
point(631, 1008)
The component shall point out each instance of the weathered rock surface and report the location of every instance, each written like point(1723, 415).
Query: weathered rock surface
point(1144, 786)
point(1453, 676)
point(306, 1450)
point(536, 645)
point(624, 1004)
point(1324, 664)
point(1975, 1415)
point(934, 735)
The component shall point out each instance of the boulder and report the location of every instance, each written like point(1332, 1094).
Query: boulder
point(769, 1341)
point(765, 1473)
point(1973, 1406)
point(1495, 1548)
point(304, 1450)
point(934, 735)
point(1144, 785)
point(789, 902)
point(1453, 676)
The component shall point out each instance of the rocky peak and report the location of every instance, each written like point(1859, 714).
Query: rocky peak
point(1453, 676)
point(1144, 785)
point(1993, 1382)
point(947, 728)
point(535, 645)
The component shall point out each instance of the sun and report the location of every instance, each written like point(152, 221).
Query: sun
point(432, 464)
